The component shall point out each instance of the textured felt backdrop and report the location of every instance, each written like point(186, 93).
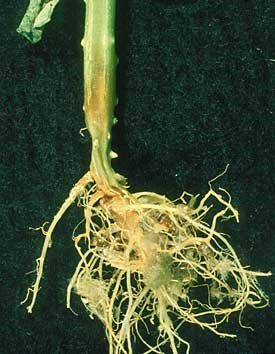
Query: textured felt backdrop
point(194, 84)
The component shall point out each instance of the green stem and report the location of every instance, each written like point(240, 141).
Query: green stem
point(100, 63)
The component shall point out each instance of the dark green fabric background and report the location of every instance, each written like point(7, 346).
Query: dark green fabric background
point(195, 87)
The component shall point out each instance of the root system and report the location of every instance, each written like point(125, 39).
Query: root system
point(147, 261)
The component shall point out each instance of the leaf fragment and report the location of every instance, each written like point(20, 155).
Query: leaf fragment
point(38, 14)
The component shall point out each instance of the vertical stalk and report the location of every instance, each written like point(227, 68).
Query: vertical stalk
point(100, 63)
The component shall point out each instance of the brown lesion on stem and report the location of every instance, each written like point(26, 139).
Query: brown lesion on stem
point(100, 88)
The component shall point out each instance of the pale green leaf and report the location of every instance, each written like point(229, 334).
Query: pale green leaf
point(38, 14)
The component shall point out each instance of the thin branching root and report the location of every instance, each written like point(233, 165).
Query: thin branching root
point(146, 261)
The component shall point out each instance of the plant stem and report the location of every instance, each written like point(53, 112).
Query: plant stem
point(100, 63)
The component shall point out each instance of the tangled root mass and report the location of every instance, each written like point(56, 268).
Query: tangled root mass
point(148, 261)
